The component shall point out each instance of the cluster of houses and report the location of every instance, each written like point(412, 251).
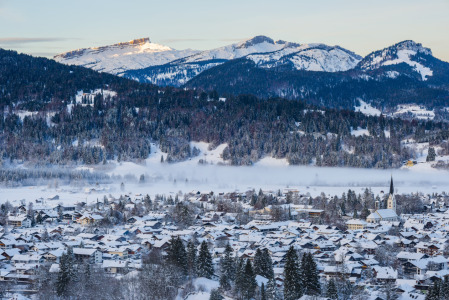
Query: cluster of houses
point(407, 251)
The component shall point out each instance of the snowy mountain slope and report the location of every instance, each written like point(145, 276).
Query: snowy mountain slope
point(117, 58)
point(264, 51)
point(172, 73)
point(408, 52)
point(180, 71)
point(313, 57)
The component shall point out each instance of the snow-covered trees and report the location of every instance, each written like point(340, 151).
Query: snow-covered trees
point(177, 255)
point(204, 265)
point(183, 214)
point(262, 263)
point(309, 275)
point(227, 268)
point(191, 258)
point(66, 274)
point(431, 154)
point(215, 295)
point(245, 279)
point(293, 287)
point(331, 291)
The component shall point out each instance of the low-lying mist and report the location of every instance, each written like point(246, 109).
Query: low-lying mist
point(89, 184)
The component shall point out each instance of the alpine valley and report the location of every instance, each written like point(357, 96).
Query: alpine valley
point(307, 104)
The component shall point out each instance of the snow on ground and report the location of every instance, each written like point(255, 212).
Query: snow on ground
point(91, 95)
point(198, 296)
point(367, 109)
point(203, 287)
point(272, 162)
point(213, 156)
point(417, 111)
point(24, 113)
point(392, 74)
point(205, 284)
point(359, 131)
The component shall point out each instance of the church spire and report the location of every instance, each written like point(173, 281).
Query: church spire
point(391, 186)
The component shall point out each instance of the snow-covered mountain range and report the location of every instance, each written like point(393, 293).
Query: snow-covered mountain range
point(150, 62)
point(145, 61)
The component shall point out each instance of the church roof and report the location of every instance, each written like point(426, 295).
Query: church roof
point(386, 213)
point(383, 214)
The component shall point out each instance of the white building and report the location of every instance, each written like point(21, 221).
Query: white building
point(388, 214)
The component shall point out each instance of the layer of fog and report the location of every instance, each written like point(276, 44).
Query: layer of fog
point(162, 178)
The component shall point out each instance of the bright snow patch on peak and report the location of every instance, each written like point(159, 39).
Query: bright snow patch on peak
point(402, 52)
point(120, 57)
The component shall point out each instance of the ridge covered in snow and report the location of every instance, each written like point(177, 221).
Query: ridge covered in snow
point(403, 52)
point(258, 44)
point(117, 58)
point(313, 57)
point(145, 61)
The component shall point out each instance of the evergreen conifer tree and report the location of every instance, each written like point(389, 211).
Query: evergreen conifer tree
point(215, 295)
point(258, 263)
point(271, 289)
point(227, 263)
point(431, 154)
point(191, 257)
point(268, 265)
point(331, 291)
point(263, 295)
point(204, 262)
point(309, 274)
point(445, 287)
point(239, 275)
point(225, 285)
point(65, 274)
point(249, 284)
point(434, 291)
point(176, 254)
point(263, 264)
point(292, 277)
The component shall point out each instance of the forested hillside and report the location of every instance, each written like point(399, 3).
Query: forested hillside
point(115, 118)
point(384, 87)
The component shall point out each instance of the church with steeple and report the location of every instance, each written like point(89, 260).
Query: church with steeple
point(391, 202)
point(389, 214)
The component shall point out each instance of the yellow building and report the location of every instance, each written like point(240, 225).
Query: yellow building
point(356, 224)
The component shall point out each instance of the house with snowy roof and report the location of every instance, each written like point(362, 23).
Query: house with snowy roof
point(19, 221)
point(90, 255)
point(356, 224)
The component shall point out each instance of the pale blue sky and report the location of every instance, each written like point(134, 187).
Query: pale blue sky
point(48, 27)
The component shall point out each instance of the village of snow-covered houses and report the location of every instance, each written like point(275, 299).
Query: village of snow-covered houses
point(203, 245)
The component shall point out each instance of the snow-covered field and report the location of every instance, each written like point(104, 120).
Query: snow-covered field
point(417, 111)
point(268, 174)
point(367, 109)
